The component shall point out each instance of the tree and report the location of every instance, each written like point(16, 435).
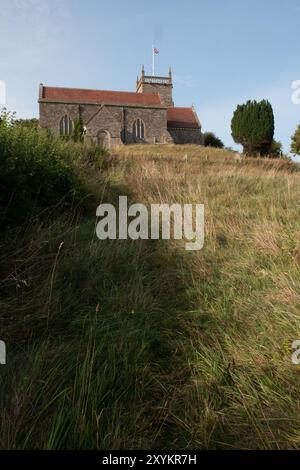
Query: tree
point(252, 126)
point(295, 145)
point(211, 140)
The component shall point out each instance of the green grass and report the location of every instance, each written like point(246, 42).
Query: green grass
point(141, 344)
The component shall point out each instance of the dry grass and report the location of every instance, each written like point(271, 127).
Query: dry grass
point(146, 345)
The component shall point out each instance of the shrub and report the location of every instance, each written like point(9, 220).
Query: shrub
point(211, 140)
point(275, 150)
point(31, 123)
point(37, 170)
point(78, 134)
point(295, 145)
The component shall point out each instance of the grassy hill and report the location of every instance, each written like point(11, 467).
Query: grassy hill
point(140, 344)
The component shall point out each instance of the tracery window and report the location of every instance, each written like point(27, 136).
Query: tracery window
point(66, 126)
point(138, 129)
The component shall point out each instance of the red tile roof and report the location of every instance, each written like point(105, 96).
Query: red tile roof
point(77, 95)
point(182, 117)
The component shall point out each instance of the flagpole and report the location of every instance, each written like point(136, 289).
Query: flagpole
point(152, 61)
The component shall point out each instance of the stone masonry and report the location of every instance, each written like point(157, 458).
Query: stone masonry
point(112, 118)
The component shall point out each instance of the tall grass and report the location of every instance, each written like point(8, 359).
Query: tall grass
point(140, 344)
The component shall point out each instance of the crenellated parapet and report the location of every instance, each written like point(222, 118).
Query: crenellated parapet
point(157, 84)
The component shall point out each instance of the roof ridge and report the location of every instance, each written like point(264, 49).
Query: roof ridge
point(97, 90)
point(88, 95)
point(180, 107)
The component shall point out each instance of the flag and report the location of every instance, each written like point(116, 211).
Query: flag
point(155, 50)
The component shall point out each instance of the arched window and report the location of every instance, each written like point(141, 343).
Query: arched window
point(66, 126)
point(138, 129)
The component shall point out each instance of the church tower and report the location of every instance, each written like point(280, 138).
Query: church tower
point(155, 84)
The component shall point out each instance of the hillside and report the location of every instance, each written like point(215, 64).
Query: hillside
point(140, 344)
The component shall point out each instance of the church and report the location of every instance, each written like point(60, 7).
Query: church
point(113, 118)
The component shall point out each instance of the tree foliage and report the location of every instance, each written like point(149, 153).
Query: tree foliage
point(211, 140)
point(295, 145)
point(28, 123)
point(252, 126)
point(38, 171)
point(275, 150)
point(78, 133)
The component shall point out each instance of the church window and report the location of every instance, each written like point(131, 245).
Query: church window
point(138, 129)
point(66, 126)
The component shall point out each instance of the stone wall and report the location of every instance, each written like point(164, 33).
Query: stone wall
point(164, 91)
point(155, 121)
point(116, 122)
point(51, 114)
point(186, 136)
point(99, 118)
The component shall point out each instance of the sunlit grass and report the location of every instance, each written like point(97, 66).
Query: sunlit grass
point(124, 344)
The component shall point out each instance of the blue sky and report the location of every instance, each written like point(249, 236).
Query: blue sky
point(221, 52)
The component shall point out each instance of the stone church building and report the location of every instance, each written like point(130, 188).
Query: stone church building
point(111, 118)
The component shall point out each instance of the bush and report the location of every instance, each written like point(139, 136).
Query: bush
point(37, 170)
point(252, 126)
point(29, 123)
point(275, 150)
point(211, 140)
point(295, 145)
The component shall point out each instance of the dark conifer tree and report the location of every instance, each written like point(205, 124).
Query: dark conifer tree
point(252, 126)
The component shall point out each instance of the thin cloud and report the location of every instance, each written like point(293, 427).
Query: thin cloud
point(185, 81)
